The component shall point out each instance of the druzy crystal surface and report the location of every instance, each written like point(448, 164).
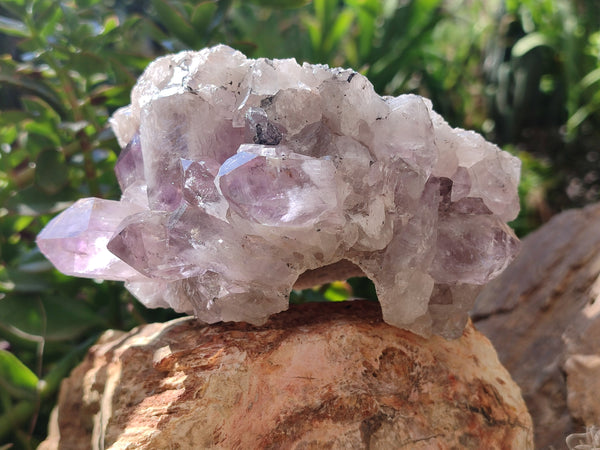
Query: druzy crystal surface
point(239, 175)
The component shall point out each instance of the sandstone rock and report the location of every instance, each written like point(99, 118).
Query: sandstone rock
point(316, 376)
point(543, 317)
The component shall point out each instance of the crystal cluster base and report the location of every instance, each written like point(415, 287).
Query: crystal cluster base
point(240, 175)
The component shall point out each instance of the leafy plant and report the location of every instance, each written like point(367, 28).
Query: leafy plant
point(544, 73)
point(65, 68)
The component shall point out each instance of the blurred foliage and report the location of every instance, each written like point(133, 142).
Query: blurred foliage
point(543, 85)
point(525, 73)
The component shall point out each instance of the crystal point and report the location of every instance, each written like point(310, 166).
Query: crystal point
point(75, 241)
point(240, 175)
point(130, 165)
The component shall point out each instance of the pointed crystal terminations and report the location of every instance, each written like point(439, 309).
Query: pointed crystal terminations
point(239, 175)
point(75, 241)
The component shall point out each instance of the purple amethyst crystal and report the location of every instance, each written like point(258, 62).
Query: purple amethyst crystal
point(130, 164)
point(75, 241)
point(280, 191)
point(239, 175)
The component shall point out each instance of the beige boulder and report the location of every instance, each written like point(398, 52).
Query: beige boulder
point(543, 317)
point(316, 376)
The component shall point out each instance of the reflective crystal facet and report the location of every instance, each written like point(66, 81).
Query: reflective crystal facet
point(279, 191)
point(239, 175)
point(75, 241)
point(130, 165)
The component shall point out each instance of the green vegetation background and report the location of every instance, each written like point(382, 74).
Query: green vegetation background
point(526, 74)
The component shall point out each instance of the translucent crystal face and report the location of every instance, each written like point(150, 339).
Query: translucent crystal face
point(239, 175)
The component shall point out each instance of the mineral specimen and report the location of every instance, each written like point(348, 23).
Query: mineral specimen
point(239, 175)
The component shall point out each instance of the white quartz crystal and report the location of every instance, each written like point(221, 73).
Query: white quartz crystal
point(239, 175)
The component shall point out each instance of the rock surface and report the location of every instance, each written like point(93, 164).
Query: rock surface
point(543, 317)
point(316, 376)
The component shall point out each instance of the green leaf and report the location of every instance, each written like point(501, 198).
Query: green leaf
point(582, 114)
point(307, 295)
point(590, 79)
point(202, 14)
point(86, 3)
point(124, 67)
point(21, 223)
point(35, 266)
point(175, 22)
point(6, 284)
point(13, 27)
point(41, 135)
point(114, 96)
point(8, 134)
point(62, 317)
point(12, 280)
point(367, 12)
point(324, 11)
point(69, 318)
point(16, 377)
point(40, 111)
point(362, 287)
point(337, 292)
point(219, 15)
point(32, 201)
point(87, 63)
point(16, 2)
point(9, 117)
point(281, 4)
point(29, 81)
point(371, 7)
point(51, 173)
point(528, 43)
point(110, 23)
point(341, 28)
point(47, 19)
point(314, 31)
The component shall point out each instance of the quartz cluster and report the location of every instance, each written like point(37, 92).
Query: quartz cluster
point(239, 175)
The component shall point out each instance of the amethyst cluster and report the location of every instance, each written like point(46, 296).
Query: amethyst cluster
point(239, 175)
